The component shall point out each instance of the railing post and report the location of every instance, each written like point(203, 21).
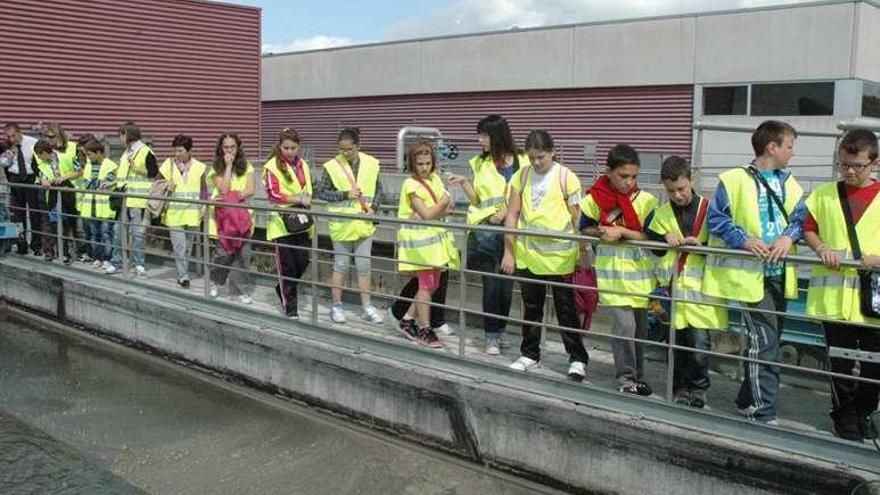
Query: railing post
point(697, 160)
point(314, 255)
point(670, 358)
point(206, 251)
point(123, 232)
point(59, 226)
point(462, 295)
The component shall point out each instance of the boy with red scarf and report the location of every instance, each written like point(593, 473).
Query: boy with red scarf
point(615, 209)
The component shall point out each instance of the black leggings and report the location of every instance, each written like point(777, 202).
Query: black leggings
point(438, 314)
point(292, 257)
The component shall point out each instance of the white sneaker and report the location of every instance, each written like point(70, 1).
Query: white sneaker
point(97, 264)
point(493, 346)
point(371, 315)
point(337, 315)
point(105, 265)
point(212, 290)
point(140, 270)
point(577, 371)
point(523, 364)
point(110, 269)
point(245, 299)
point(445, 330)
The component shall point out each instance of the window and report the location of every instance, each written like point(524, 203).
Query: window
point(725, 100)
point(793, 99)
point(871, 100)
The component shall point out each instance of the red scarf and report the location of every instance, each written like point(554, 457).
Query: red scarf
point(608, 199)
point(296, 165)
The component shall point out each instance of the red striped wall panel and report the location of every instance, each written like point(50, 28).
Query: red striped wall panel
point(173, 66)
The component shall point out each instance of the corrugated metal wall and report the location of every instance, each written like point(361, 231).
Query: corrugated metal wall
point(173, 66)
point(651, 118)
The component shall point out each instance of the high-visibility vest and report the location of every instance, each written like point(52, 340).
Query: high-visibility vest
point(835, 293)
point(339, 171)
point(67, 160)
point(93, 205)
point(239, 183)
point(190, 188)
point(490, 187)
point(742, 279)
point(546, 255)
point(65, 166)
point(135, 182)
point(623, 269)
point(421, 247)
point(274, 224)
point(688, 285)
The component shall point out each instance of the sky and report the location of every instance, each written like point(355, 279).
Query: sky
point(297, 25)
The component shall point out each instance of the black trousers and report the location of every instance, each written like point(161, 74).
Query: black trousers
point(852, 399)
point(438, 315)
point(292, 257)
point(533, 296)
point(67, 217)
point(30, 198)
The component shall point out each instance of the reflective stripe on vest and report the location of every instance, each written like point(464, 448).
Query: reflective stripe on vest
point(743, 279)
point(339, 171)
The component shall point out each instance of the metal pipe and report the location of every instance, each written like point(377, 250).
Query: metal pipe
point(462, 297)
point(405, 132)
point(59, 226)
point(206, 251)
point(709, 126)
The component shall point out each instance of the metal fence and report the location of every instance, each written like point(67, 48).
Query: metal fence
point(462, 279)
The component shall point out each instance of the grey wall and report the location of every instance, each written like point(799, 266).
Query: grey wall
point(827, 41)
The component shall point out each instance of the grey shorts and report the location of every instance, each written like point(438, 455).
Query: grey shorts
point(360, 249)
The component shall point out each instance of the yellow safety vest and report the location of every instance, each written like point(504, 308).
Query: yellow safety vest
point(742, 279)
point(368, 174)
point(65, 166)
point(423, 247)
point(490, 187)
point(835, 293)
point(93, 205)
point(274, 224)
point(239, 183)
point(190, 188)
point(689, 283)
point(135, 182)
point(623, 269)
point(546, 255)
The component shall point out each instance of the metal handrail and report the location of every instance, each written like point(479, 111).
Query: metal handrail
point(463, 271)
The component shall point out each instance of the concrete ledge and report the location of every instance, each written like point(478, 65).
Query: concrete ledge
point(567, 435)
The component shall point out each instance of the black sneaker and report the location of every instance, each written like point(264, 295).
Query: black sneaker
point(643, 388)
point(66, 260)
point(698, 399)
point(183, 283)
point(682, 398)
point(846, 426)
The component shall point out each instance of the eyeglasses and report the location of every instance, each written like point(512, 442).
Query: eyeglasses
point(855, 166)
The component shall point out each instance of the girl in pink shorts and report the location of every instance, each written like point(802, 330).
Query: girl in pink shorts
point(423, 252)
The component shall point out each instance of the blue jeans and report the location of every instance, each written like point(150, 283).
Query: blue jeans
point(98, 237)
point(138, 231)
point(497, 297)
point(691, 369)
point(759, 393)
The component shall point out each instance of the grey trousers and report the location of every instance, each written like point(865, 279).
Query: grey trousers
point(181, 244)
point(629, 356)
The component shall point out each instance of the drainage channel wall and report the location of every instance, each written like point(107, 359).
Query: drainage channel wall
point(600, 443)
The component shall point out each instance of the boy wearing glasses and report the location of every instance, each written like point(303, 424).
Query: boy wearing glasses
point(838, 214)
point(758, 208)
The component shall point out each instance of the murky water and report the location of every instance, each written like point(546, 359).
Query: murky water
point(116, 422)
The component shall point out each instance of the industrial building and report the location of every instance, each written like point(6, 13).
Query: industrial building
point(642, 81)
